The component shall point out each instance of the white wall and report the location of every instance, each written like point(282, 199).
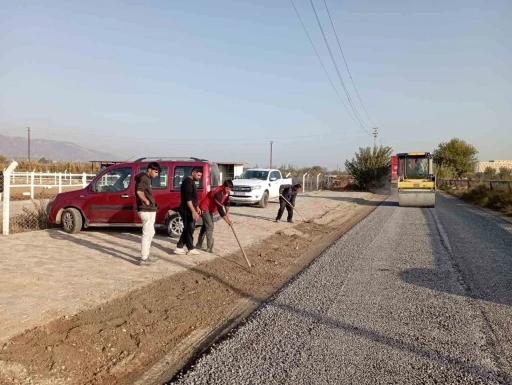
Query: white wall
point(239, 169)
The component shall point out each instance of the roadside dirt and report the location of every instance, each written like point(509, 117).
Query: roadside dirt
point(170, 319)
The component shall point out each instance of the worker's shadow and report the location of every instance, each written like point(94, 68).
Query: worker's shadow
point(233, 214)
point(86, 239)
point(452, 267)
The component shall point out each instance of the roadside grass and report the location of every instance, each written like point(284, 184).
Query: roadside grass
point(31, 219)
point(483, 197)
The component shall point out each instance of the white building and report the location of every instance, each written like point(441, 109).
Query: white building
point(228, 170)
point(495, 164)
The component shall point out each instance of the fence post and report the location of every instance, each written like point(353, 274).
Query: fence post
point(84, 180)
point(32, 185)
point(7, 197)
point(304, 182)
point(60, 182)
point(317, 178)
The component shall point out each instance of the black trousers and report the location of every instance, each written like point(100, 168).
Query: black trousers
point(189, 226)
point(282, 206)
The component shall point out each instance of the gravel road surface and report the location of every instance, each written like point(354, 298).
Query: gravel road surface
point(408, 296)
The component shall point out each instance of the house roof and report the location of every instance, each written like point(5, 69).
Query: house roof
point(234, 163)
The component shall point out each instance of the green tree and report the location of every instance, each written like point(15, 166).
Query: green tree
point(457, 155)
point(370, 167)
point(505, 173)
point(489, 173)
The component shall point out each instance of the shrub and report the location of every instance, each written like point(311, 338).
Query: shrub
point(492, 199)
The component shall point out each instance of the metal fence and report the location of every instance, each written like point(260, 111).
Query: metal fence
point(313, 182)
point(24, 196)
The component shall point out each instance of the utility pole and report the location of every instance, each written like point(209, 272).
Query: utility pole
point(271, 154)
point(375, 133)
point(28, 130)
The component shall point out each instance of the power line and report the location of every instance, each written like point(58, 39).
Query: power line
point(346, 65)
point(176, 140)
point(337, 69)
point(321, 62)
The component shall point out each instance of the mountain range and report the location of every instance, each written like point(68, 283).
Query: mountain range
point(16, 147)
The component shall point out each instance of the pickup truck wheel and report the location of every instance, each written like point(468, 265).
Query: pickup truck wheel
point(264, 200)
point(71, 220)
point(174, 225)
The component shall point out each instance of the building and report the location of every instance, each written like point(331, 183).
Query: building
point(495, 164)
point(228, 170)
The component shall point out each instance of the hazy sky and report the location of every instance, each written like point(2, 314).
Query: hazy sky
point(220, 79)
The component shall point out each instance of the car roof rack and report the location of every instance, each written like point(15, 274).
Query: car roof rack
point(170, 158)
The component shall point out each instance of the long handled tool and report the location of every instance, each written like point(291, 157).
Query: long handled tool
point(286, 200)
point(239, 244)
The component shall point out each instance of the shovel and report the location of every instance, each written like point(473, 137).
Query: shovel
point(286, 200)
point(239, 244)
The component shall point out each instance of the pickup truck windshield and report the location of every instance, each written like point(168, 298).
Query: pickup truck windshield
point(254, 174)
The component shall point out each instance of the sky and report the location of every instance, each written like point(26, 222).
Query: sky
point(221, 79)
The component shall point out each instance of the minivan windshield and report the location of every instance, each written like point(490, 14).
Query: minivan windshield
point(254, 174)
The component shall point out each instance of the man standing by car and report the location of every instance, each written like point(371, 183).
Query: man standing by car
point(289, 193)
point(146, 208)
point(189, 211)
point(214, 202)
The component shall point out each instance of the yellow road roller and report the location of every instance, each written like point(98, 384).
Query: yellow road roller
point(416, 180)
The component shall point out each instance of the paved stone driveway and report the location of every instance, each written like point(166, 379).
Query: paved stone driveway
point(49, 274)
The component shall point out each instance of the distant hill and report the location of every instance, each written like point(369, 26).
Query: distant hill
point(16, 147)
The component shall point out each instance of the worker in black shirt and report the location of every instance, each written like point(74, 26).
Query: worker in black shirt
point(289, 193)
point(189, 211)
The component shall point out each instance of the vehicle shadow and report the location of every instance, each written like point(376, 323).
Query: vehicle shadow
point(485, 276)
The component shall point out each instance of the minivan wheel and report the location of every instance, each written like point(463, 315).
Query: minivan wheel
point(264, 200)
point(174, 226)
point(71, 220)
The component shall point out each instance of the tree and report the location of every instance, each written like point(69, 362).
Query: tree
point(489, 173)
point(457, 155)
point(505, 173)
point(370, 168)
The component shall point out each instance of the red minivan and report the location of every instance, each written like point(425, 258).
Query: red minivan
point(109, 200)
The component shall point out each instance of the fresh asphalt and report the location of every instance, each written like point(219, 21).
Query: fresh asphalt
point(408, 296)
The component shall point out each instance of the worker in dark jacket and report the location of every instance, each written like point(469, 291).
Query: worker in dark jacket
point(146, 208)
point(189, 212)
point(289, 193)
point(215, 201)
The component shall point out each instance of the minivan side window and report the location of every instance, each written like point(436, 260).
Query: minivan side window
point(180, 173)
point(161, 180)
point(215, 176)
point(114, 180)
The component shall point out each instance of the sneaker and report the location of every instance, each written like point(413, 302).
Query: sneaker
point(194, 252)
point(179, 251)
point(144, 261)
point(276, 220)
point(209, 250)
point(290, 221)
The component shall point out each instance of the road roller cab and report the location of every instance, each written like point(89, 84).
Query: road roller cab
point(416, 180)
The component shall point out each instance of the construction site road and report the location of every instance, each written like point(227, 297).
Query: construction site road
point(408, 296)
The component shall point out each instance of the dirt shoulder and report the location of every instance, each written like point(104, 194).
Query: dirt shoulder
point(148, 334)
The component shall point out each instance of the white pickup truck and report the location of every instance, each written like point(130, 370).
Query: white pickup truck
point(257, 185)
